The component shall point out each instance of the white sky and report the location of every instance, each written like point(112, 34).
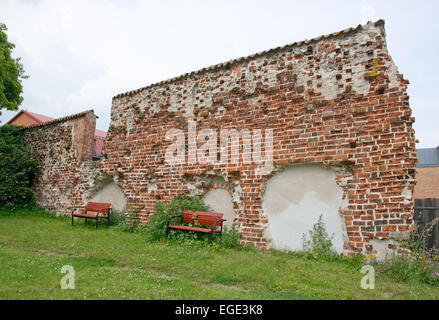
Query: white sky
point(79, 54)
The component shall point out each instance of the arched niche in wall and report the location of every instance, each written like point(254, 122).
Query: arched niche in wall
point(219, 198)
point(293, 201)
point(107, 190)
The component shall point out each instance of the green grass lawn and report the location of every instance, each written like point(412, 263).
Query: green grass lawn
point(111, 264)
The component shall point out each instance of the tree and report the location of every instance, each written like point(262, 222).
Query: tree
point(17, 168)
point(11, 74)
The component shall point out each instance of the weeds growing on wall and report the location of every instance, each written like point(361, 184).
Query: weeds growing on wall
point(412, 260)
point(17, 168)
point(127, 220)
point(230, 237)
point(319, 244)
point(117, 217)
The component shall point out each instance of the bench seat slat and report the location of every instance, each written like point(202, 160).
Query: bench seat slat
point(187, 228)
point(98, 206)
point(204, 218)
point(84, 215)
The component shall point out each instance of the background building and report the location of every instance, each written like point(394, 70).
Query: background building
point(427, 173)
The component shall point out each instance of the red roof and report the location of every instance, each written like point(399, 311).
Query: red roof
point(100, 133)
point(41, 118)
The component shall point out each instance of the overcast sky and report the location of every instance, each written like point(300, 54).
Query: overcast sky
point(79, 54)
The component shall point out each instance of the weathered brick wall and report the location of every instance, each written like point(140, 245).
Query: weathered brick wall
point(63, 148)
point(337, 101)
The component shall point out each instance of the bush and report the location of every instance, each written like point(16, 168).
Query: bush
point(319, 246)
point(17, 168)
point(320, 243)
point(410, 266)
point(230, 237)
point(28, 209)
point(127, 220)
point(155, 229)
point(117, 217)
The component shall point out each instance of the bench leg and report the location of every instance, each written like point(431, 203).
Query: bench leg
point(72, 220)
point(211, 238)
point(97, 222)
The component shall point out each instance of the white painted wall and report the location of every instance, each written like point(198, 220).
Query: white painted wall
point(221, 201)
point(293, 201)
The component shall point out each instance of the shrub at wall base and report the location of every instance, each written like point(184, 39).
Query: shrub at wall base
point(17, 168)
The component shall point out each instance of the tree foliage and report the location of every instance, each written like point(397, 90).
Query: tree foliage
point(17, 168)
point(11, 74)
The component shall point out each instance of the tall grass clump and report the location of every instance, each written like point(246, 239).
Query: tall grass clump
point(411, 259)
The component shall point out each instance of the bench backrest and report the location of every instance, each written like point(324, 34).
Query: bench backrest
point(101, 207)
point(204, 218)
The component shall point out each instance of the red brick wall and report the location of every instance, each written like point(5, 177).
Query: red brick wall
point(338, 101)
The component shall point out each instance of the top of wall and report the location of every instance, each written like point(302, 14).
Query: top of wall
point(340, 34)
point(54, 121)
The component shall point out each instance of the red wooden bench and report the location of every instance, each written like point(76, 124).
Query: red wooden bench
point(213, 220)
point(102, 211)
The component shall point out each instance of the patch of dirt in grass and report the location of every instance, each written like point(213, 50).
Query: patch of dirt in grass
point(152, 271)
point(55, 253)
point(227, 286)
point(46, 252)
point(7, 241)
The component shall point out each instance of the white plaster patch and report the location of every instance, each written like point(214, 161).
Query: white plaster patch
point(407, 194)
point(293, 201)
point(110, 192)
point(221, 201)
point(152, 187)
point(383, 252)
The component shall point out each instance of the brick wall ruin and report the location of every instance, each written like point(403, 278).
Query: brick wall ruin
point(64, 150)
point(336, 102)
